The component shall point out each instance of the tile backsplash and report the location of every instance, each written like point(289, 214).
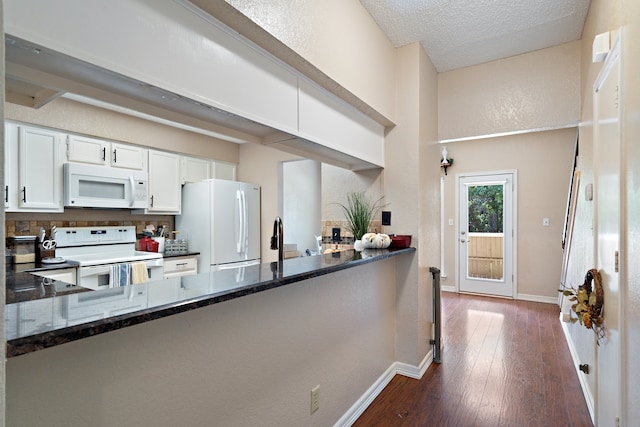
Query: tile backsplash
point(28, 224)
point(346, 236)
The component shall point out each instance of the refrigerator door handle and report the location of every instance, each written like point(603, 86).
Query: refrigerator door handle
point(240, 222)
point(245, 228)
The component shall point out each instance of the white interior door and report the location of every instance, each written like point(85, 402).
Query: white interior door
point(608, 201)
point(485, 234)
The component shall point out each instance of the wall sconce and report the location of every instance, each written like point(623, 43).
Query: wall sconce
point(445, 162)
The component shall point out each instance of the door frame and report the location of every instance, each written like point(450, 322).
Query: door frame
point(514, 225)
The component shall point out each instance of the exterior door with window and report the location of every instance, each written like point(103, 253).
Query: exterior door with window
point(485, 235)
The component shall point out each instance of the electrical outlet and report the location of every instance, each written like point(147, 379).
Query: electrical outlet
point(315, 398)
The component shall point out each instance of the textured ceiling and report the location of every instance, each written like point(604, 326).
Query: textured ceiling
point(460, 33)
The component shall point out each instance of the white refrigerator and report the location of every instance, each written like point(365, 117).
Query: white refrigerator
point(221, 220)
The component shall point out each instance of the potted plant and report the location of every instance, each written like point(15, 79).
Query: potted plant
point(359, 211)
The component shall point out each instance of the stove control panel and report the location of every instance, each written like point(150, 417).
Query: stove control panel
point(91, 236)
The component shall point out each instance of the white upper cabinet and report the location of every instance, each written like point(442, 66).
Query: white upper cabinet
point(194, 169)
point(228, 78)
point(224, 170)
point(38, 174)
point(10, 163)
point(331, 122)
point(87, 150)
point(164, 183)
point(200, 59)
point(127, 156)
point(84, 149)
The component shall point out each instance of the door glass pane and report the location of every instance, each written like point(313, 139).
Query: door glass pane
point(485, 253)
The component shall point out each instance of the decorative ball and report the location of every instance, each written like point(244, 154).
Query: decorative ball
point(368, 240)
point(376, 241)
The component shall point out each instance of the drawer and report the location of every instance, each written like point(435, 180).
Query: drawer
point(184, 266)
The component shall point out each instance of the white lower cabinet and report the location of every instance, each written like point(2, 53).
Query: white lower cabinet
point(164, 292)
point(180, 266)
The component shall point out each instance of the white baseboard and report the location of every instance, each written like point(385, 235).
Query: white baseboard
point(588, 397)
point(538, 298)
point(524, 297)
point(365, 400)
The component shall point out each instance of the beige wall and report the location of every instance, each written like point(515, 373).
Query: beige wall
point(413, 194)
point(338, 37)
point(92, 121)
point(543, 163)
point(533, 91)
point(260, 164)
point(337, 182)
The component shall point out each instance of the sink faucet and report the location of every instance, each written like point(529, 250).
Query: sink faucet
point(277, 240)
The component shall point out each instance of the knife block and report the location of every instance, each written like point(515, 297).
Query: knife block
point(42, 253)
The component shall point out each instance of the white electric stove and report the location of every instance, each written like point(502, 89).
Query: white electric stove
point(96, 249)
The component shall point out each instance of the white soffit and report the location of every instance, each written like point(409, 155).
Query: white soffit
point(461, 33)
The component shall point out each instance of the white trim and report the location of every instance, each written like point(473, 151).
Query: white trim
point(415, 371)
point(449, 288)
point(538, 298)
point(509, 133)
point(443, 273)
point(588, 397)
point(353, 413)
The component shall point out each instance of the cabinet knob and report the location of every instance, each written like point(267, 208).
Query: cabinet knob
point(24, 194)
point(584, 368)
point(6, 194)
point(151, 205)
point(114, 156)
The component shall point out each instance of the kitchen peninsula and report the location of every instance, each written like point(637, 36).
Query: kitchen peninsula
point(52, 318)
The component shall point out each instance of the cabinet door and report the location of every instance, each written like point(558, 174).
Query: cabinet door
point(127, 156)
point(10, 166)
point(222, 170)
point(164, 182)
point(87, 150)
point(40, 177)
point(195, 169)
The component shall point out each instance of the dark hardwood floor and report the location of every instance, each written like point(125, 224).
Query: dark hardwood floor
point(504, 363)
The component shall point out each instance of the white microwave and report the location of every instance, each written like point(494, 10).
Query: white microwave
point(89, 186)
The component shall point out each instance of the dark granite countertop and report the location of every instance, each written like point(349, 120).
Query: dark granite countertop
point(22, 286)
point(177, 256)
point(64, 317)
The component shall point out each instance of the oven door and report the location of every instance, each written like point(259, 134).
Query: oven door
point(97, 276)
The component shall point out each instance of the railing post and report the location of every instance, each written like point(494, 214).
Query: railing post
point(437, 315)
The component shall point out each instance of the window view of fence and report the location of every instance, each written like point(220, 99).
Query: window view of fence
point(485, 256)
point(485, 247)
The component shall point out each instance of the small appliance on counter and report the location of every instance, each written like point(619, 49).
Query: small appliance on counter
point(22, 249)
